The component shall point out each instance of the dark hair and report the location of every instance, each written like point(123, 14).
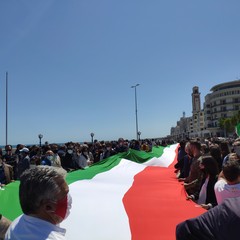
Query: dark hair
point(182, 144)
point(84, 149)
point(210, 166)
point(216, 154)
point(224, 147)
point(8, 146)
point(215, 151)
point(231, 170)
point(205, 148)
point(196, 144)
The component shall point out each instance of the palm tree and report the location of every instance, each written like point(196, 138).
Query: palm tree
point(228, 124)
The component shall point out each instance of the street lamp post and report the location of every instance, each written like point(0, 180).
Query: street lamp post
point(135, 88)
point(40, 136)
point(92, 135)
point(6, 108)
point(139, 134)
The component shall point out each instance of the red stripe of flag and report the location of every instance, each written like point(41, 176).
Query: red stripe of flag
point(156, 203)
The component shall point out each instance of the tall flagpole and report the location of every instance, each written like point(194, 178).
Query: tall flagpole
point(6, 108)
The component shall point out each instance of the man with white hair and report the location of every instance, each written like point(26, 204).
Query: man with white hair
point(45, 203)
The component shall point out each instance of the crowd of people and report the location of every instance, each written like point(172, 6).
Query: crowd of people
point(210, 173)
point(70, 156)
point(209, 170)
point(43, 169)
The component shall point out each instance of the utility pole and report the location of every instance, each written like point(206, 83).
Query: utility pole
point(136, 112)
point(6, 108)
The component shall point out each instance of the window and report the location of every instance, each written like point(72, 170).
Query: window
point(195, 91)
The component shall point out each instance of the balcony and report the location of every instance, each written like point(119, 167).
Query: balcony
point(234, 101)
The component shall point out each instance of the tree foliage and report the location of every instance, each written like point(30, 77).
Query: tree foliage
point(229, 124)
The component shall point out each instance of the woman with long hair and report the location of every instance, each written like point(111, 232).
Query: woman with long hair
point(205, 197)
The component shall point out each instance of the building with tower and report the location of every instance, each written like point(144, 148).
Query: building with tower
point(222, 102)
point(196, 101)
point(197, 119)
point(191, 127)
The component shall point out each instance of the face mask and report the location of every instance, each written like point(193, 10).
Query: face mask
point(50, 158)
point(70, 151)
point(64, 206)
point(85, 153)
point(237, 150)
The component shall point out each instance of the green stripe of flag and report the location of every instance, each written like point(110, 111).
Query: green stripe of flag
point(9, 199)
point(109, 163)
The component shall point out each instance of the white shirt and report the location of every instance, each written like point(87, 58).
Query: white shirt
point(31, 228)
point(203, 192)
point(223, 190)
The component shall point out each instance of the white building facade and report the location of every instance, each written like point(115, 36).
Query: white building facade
point(222, 102)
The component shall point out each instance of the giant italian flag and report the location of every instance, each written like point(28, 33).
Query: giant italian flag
point(133, 195)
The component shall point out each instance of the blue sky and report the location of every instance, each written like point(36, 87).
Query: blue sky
point(71, 64)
